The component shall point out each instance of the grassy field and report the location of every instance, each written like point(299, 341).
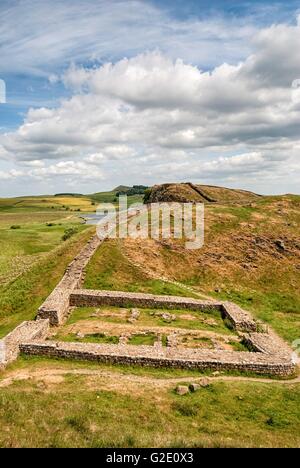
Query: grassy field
point(110, 270)
point(28, 237)
point(106, 409)
point(119, 406)
point(33, 260)
point(210, 321)
point(45, 203)
point(68, 203)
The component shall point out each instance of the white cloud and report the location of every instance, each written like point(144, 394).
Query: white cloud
point(74, 169)
point(12, 174)
point(53, 34)
point(150, 115)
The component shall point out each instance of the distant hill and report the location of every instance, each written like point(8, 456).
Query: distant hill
point(135, 194)
point(69, 195)
point(188, 192)
point(121, 188)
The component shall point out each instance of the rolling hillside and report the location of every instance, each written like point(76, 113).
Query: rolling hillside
point(188, 192)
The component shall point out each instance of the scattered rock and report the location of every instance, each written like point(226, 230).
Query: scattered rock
point(135, 313)
point(194, 387)
point(204, 383)
point(280, 244)
point(168, 317)
point(80, 335)
point(216, 373)
point(182, 390)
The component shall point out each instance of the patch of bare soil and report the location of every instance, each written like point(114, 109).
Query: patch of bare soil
point(52, 378)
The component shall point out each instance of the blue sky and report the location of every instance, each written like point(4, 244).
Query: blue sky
point(53, 57)
point(25, 89)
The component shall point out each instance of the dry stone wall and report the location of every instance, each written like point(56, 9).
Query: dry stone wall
point(239, 318)
point(269, 355)
point(93, 298)
point(57, 305)
point(9, 346)
point(155, 356)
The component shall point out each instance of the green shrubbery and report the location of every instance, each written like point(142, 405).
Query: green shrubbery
point(69, 233)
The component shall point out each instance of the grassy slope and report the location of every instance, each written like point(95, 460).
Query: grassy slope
point(110, 197)
point(46, 259)
point(110, 270)
point(185, 193)
point(248, 414)
point(37, 234)
point(240, 260)
point(226, 414)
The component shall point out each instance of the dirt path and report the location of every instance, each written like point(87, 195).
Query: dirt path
point(118, 380)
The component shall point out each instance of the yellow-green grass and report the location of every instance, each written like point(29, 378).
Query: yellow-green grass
point(225, 414)
point(98, 338)
point(67, 203)
point(139, 339)
point(20, 299)
point(111, 197)
point(41, 203)
point(22, 218)
point(27, 238)
point(150, 318)
point(109, 269)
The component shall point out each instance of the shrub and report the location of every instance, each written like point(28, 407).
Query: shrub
point(69, 233)
point(15, 227)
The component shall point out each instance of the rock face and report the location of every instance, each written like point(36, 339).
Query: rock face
point(191, 193)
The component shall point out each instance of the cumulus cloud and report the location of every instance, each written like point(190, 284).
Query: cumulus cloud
point(75, 169)
point(152, 114)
